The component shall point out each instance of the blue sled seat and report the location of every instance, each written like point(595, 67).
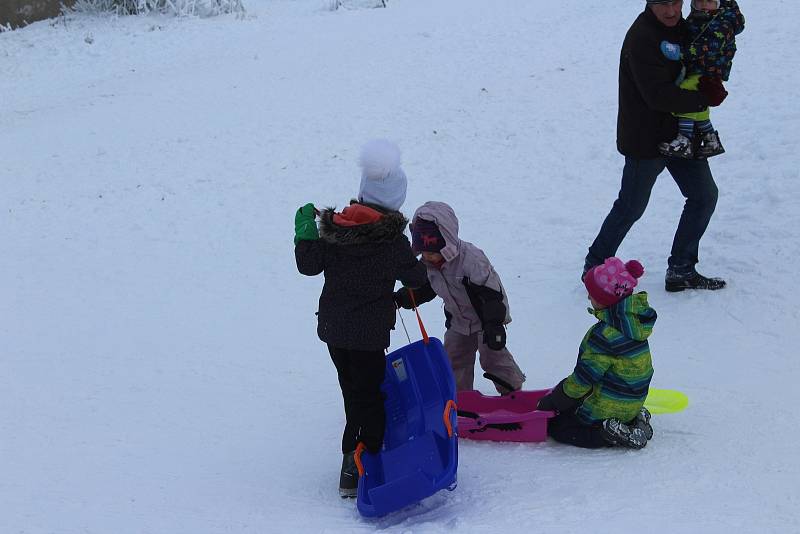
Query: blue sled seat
point(420, 446)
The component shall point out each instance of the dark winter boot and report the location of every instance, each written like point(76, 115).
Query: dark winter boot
point(617, 433)
point(711, 145)
point(680, 147)
point(348, 479)
point(642, 421)
point(677, 281)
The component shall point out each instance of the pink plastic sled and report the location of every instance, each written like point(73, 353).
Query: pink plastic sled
point(512, 417)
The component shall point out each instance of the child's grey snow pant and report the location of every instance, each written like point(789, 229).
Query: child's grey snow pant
point(461, 351)
point(361, 373)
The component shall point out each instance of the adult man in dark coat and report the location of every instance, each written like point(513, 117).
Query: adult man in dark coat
point(648, 95)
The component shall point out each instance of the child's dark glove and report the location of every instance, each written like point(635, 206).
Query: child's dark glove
point(713, 90)
point(402, 299)
point(494, 336)
point(546, 404)
point(558, 401)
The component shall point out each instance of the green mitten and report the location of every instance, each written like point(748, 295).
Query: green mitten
point(305, 225)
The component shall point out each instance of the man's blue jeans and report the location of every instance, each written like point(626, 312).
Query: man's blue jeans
point(694, 179)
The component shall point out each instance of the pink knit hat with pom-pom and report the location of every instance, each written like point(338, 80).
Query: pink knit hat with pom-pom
point(612, 281)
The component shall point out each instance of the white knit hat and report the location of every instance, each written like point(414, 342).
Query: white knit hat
point(383, 182)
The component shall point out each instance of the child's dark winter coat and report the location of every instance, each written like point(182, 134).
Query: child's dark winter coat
point(362, 252)
point(710, 40)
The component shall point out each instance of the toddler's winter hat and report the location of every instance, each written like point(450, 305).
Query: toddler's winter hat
point(383, 182)
point(426, 237)
point(613, 280)
point(695, 7)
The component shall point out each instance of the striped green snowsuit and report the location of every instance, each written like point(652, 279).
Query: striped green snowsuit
point(614, 365)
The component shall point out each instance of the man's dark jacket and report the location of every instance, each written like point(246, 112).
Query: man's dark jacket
point(648, 94)
point(361, 264)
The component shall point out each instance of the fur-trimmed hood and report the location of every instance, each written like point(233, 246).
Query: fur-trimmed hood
point(387, 229)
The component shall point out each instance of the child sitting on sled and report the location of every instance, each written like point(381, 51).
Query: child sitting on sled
point(475, 303)
point(602, 402)
point(362, 251)
point(708, 50)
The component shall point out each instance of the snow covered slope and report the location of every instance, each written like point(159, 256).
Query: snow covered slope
point(160, 371)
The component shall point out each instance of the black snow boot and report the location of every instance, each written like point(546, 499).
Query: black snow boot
point(348, 479)
point(680, 147)
point(711, 145)
point(677, 281)
point(617, 433)
point(642, 421)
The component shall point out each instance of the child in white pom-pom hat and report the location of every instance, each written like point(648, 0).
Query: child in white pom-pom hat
point(383, 181)
point(601, 403)
point(361, 251)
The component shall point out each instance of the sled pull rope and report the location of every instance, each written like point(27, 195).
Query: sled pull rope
point(449, 407)
point(404, 327)
point(425, 337)
point(357, 457)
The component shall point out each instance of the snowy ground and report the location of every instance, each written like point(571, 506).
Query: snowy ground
point(160, 370)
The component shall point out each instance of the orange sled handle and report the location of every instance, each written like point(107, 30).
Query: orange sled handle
point(448, 408)
point(357, 457)
point(425, 337)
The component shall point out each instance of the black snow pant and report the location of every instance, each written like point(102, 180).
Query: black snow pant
point(567, 428)
point(361, 373)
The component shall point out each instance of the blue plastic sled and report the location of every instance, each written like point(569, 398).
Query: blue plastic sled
point(420, 448)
